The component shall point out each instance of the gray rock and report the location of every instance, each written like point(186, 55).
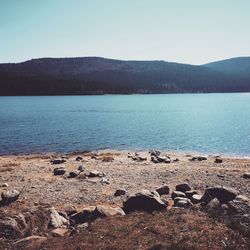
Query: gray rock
point(198, 158)
point(145, 201)
point(196, 198)
point(105, 180)
point(183, 187)
point(74, 174)
point(120, 192)
point(56, 220)
point(59, 171)
point(85, 215)
point(190, 193)
point(213, 204)
point(96, 173)
point(182, 202)
point(79, 158)
point(218, 160)
point(246, 175)
point(223, 194)
point(163, 190)
point(10, 196)
point(81, 168)
point(58, 161)
point(177, 194)
point(5, 184)
point(105, 211)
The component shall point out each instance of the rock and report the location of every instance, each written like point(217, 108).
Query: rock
point(105, 180)
point(84, 216)
point(214, 203)
point(96, 173)
point(190, 193)
point(71, 210)
point(79, 158)
point(81, 168)
point(198, 158)
point(177, 194)
point(30, 242)
point(59, 171)
point(57, 220)
point(74, 174)
point(183, 187)
point(10, 196)
point(145, 201)
point(9, 228)
point(5, 184)
point(59, 232)
point(120, 192)
point(196, 198)
point(155, 153)
point(139, 158)
point(182, 202)
point(241, 198)
point(218, 160)
point(246, 175)
point(221, 176)
point(223, 194)
point(154, 159)
point(163, 190)
point(107, 159)
point(58, 161)
point(175, 160)
point(104, 211)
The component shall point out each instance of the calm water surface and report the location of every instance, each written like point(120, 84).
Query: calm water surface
point(210, 123)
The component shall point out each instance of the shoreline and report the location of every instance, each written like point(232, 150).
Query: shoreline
point(180, 152)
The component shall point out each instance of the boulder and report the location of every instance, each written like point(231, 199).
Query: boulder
point(190, 193)
point(177, 194)
point(10, 196)
point(145, 201)
point(183, 187)
point(120, 192)
point(59, 171)
point(58, 161)
point(163, 190)
point(213, 204)
point(246, 175)
point(84, 216)
point(56, 220)
point(196, 198)
point(223, 194)
point(105, 211)
point(182, 202)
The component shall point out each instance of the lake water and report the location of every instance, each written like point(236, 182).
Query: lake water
point(209, 123)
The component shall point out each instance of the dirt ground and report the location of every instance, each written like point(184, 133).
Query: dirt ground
point(34, 174)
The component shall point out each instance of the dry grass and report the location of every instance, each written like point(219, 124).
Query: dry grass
point(176, 229)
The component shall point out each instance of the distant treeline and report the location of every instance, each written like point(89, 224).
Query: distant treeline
point(124, 77)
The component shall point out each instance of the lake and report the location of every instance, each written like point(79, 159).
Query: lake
point(207, 123)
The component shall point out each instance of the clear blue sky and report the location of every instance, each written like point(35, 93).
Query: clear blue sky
point(189, 31)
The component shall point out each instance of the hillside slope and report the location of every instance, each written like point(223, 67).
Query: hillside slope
point(95, 75)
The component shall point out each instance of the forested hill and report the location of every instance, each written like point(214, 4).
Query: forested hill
point(95, 75)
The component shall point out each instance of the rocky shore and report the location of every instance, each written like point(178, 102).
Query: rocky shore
point(93, 199)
